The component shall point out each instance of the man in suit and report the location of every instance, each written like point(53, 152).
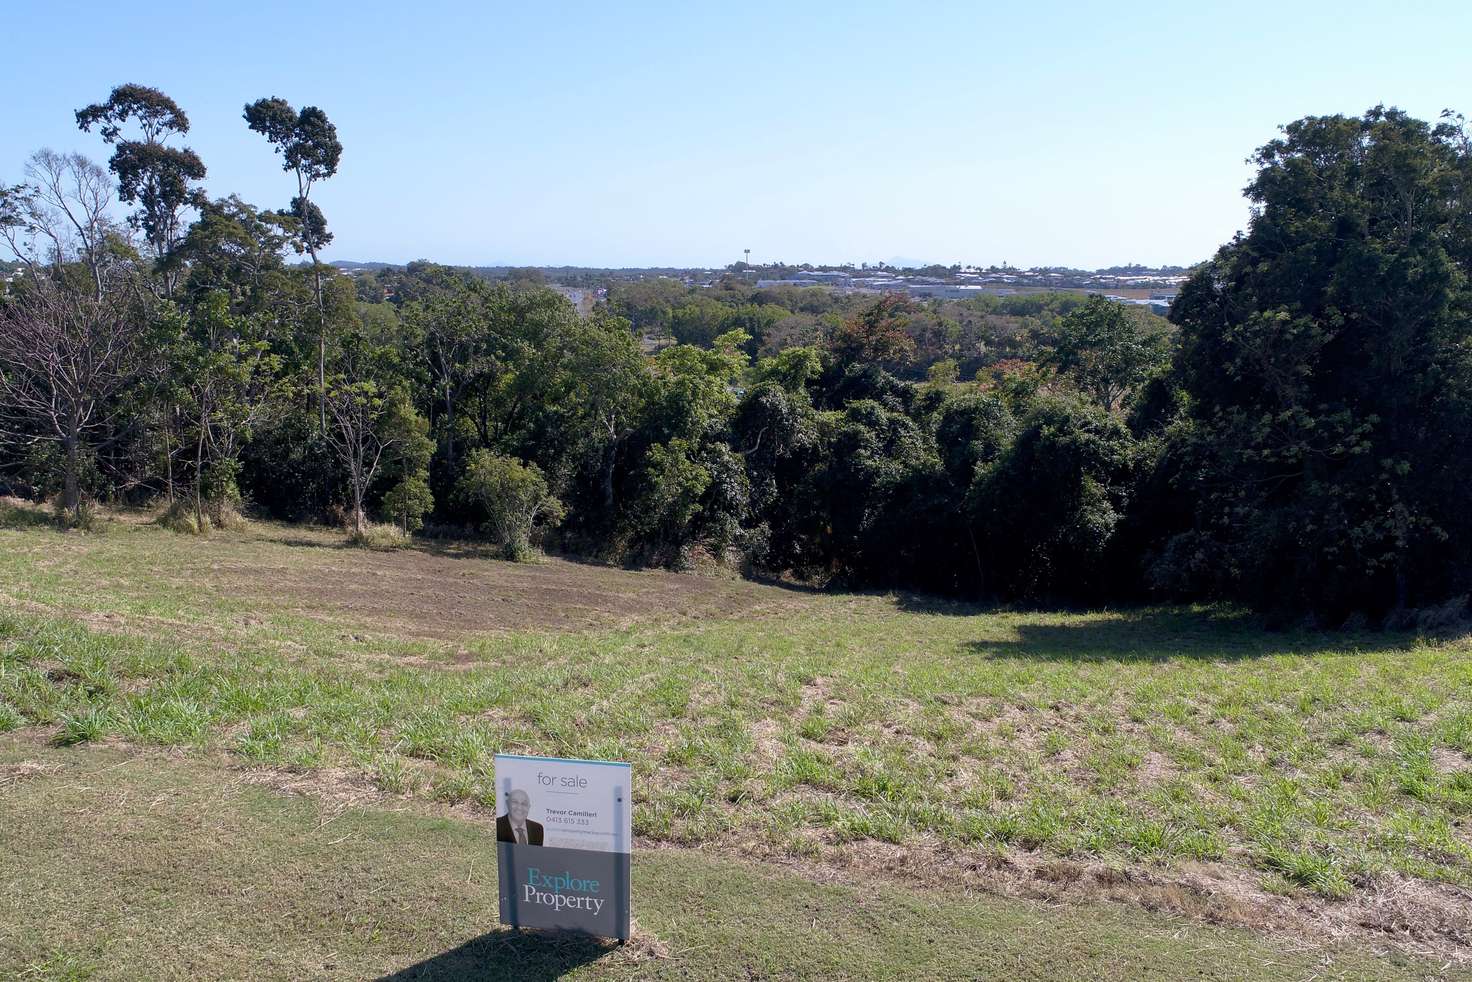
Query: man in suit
point(514, 826)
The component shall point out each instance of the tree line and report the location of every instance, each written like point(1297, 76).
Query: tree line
point(1296, 438)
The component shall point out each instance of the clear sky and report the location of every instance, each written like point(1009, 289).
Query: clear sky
point(624, 133)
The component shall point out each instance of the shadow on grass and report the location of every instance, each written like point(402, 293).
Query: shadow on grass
point(1162, 634)
point(510, 954)
point(928, 603)
point(296, 542)
point(26, 517)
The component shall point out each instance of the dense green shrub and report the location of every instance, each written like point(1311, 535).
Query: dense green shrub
point(408, 502)
point(1327, 357)
point(513, 498)
point(1046, 510)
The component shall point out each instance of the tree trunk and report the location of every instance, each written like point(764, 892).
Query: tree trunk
point(359, 480)
point(321, 363)
point(321, 337)
point(449, 426)
point(199, 478)
point(169, 451)
point(608, 462)
point(610, 422)
point(71, 498)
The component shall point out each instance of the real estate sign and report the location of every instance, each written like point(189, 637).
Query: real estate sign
point(563, 830)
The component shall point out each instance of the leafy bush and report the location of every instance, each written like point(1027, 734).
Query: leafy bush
point(1191, 565)
point(85, 519)
point(512, 496)
point(1450, 617)
point(408, 502)
point(221, 494)
point(180, 516)
point(1047, 509)
point(375, 536)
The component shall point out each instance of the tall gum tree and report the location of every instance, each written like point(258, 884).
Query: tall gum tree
point(309, 148)
point(161, 179)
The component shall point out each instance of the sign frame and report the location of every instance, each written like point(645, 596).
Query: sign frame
point(564, 835)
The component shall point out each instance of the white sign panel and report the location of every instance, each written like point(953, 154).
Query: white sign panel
point(563, 831)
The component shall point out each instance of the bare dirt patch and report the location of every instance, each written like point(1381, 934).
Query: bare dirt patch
point(24, 770)
point(814, 693)
point(1156, 768)
point(446, 594)
point(339, 789)
point(766, 739)
point(1447, 761)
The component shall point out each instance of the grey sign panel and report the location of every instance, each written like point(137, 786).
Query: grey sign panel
point(575, 889)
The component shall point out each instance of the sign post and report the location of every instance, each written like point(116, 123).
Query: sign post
point(563, 830)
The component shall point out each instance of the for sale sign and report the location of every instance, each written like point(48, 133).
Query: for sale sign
point(563, 831)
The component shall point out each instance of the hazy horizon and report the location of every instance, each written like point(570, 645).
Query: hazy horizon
point(645, 136)
point(897, 262)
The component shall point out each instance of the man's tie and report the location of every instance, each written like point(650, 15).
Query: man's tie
point(521, 834)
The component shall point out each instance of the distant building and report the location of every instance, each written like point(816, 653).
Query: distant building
point(803, 281)
point(946, 291)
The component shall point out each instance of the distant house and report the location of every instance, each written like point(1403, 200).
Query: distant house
point(946, 291)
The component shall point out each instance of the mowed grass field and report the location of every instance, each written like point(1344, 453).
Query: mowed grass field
point(1177, 786)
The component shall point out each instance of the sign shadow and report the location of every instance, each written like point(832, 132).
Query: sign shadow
point(509, 953)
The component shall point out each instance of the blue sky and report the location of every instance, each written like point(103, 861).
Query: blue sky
point(1081, 134)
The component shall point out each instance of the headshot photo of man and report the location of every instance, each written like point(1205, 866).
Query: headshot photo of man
point(514, 826)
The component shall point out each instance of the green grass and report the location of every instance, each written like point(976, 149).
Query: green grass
point(222, 878)
point(1312, 764)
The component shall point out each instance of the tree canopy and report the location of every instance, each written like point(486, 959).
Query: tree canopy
point(1298, 436)
point(1325, 356)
